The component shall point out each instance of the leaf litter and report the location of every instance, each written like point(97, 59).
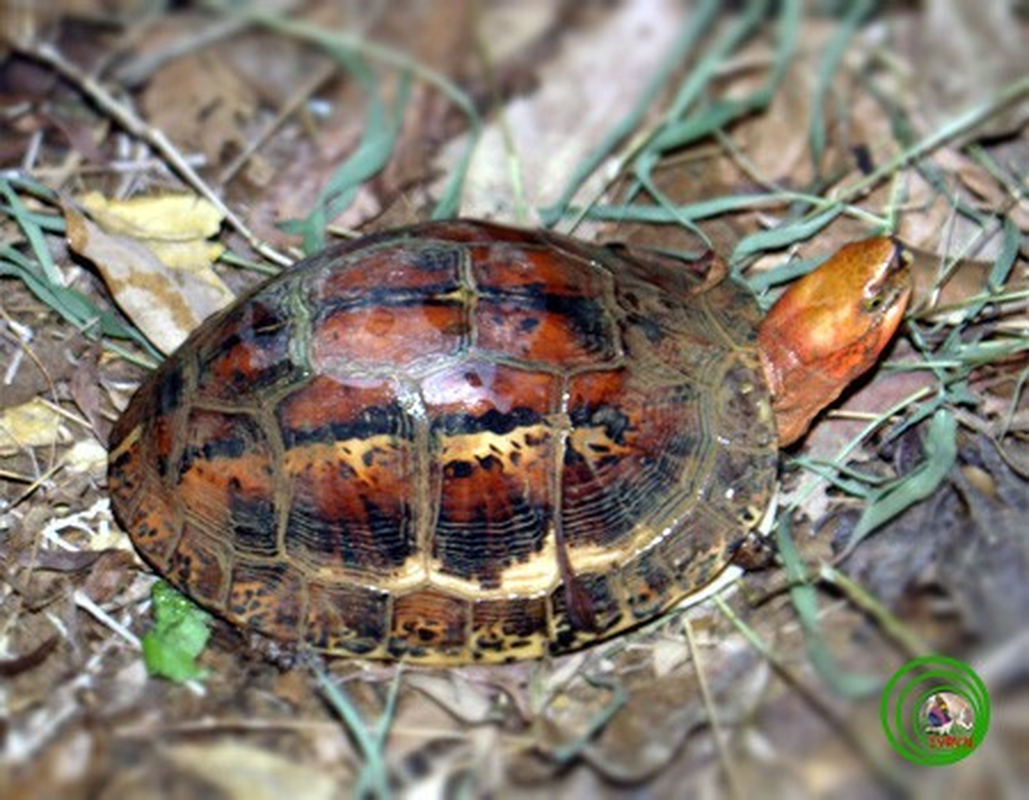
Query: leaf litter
point(155, 259)
point(752, 701)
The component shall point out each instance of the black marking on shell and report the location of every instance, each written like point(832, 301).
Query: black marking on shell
point(385, 420)
point(493, 421)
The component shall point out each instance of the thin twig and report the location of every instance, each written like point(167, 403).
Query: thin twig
point(296, 100)
point(135, 125)
point(884, 770)
point(735, 789)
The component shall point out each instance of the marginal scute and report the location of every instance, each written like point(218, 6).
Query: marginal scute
point(696, 559)
point(268, 595)
point(647, 586)
point(428, 620)
point(518, 625)
point(347, 618)
point(201, 564)
point(456, 442)
point(589, 609)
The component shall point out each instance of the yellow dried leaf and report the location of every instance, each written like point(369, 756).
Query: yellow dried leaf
point(87, 455)
point(32, 424)
point(169, 217)
point(194, 256)
point(165, 303)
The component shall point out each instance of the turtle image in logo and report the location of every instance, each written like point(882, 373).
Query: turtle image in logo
point(935, 710)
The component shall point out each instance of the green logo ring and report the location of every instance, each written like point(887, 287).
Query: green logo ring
point(908, 692)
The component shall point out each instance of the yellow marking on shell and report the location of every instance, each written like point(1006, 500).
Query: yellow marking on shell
point(593, 444)
point(598, 558)
point(351, 452)
point(534, 577)
point(127, 443)
point(751, 516)
point(410, 577)
point(525, 441)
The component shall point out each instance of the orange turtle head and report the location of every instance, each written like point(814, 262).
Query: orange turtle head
point(831, 326)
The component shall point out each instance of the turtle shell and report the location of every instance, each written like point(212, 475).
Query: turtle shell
point(453, 442)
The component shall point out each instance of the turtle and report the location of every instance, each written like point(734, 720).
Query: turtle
point(461, 442)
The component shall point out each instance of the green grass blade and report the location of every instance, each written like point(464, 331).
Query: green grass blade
point(699, 25)
point(378, 141)
point(805, 602)
point(33, 234)
point(338, 41)
point(701, 76)
point(1005, 262)
point(373, 777)
point(681, 130)
point(450, 200)
point(785, 235)
point(41, 276)
point(71, 304)
point(941, 452)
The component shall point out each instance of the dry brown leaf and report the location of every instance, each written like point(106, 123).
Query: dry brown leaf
point(165, 299)
point(988, 193)
point(84, 386)
point(200, 102)
point(969, 280)
point(967, 51)
point(580, 94)
point(451, 694)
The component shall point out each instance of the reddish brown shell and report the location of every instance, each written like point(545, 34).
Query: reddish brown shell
point(453, 442)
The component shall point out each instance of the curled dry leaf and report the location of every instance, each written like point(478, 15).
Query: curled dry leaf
point(154, 256)
point(989, 193)
point(32, 424)
point(473, 707)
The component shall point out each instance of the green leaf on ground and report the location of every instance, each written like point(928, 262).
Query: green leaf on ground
point(180, 633)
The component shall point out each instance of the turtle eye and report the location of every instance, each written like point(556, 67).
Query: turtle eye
point(874, 303)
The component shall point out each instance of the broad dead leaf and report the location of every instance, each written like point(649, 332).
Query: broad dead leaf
point(966, 52)
point(545, 136)
point(166, 218)
point(154, 256)
point(202, 103)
